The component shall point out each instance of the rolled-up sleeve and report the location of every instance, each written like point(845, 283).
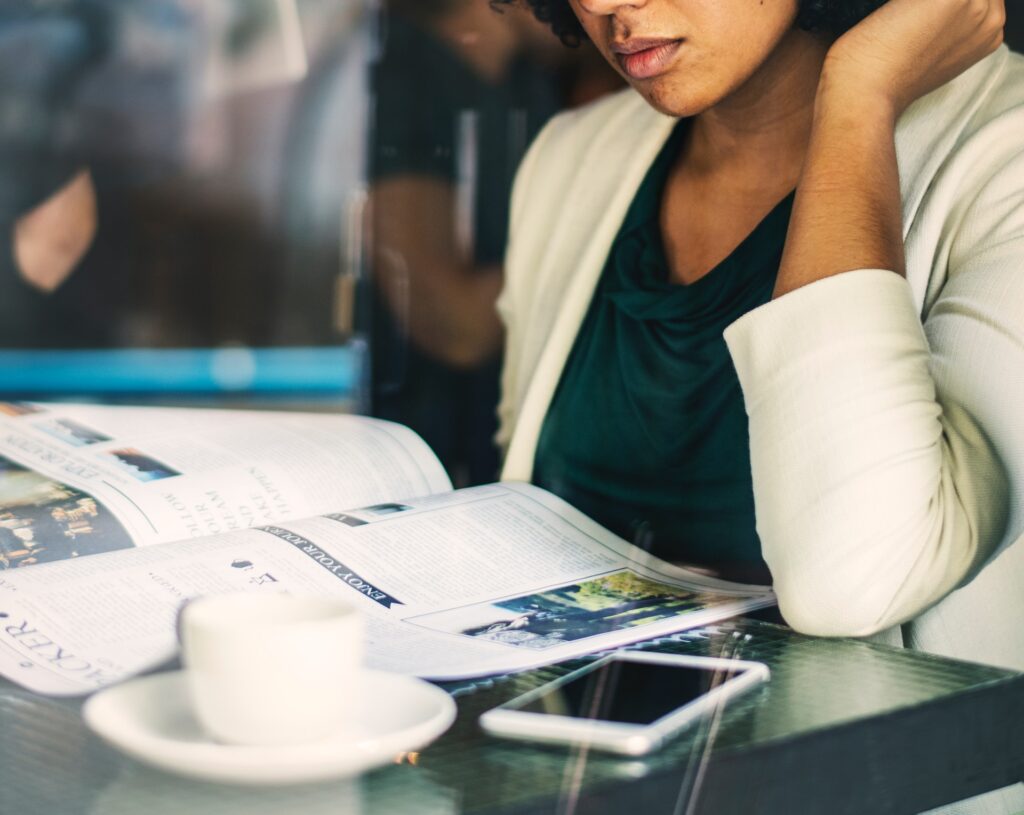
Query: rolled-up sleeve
point(876, 442)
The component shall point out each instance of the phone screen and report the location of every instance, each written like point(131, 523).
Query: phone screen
point(628, 692)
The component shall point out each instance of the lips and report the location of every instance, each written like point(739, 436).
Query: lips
point(642, 59)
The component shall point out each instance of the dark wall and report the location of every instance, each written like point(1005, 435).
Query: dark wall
point(1015, 24)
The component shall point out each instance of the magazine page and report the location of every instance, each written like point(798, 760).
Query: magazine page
point(479, 581)
point(83, 479)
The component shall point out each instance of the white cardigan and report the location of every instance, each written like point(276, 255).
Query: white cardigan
point(888, 462)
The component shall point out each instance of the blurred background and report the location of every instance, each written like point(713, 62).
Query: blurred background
point(273, 203)
point(286, 203)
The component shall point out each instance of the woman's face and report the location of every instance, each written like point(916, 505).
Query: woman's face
point(685, 56)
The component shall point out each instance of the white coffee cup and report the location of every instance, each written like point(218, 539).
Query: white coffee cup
point(272, 669)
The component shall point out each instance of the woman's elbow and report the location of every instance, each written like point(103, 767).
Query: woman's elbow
point(837, 612)
point(859, 584)
point(825, 620)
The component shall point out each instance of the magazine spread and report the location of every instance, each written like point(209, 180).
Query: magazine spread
point(174, 504)
point(83, 479)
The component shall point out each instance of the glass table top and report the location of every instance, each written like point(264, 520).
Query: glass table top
point(51, 764)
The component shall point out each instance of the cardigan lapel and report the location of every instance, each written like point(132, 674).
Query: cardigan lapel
point(594, 209)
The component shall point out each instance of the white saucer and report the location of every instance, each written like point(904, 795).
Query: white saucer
point(151, 720)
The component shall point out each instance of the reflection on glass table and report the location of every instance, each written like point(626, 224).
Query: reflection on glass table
point(837, 713)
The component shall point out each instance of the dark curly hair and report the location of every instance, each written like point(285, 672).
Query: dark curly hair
point(831, 16)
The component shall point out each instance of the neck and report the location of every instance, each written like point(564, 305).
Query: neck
point(485, 39)
point(768, 117)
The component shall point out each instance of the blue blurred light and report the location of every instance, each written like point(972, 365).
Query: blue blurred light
point(331, 371)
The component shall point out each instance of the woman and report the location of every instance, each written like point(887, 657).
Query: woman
point(749, 241)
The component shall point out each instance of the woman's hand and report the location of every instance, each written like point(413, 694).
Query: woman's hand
point(908, 48)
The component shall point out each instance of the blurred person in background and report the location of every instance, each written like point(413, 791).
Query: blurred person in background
point(164, 166)
point(96, 99)
point(48, 199)
point(459, 96)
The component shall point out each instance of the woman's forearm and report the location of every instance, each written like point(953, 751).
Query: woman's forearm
point(847, 212)
point(454, 319)
point(439, 297)
point(876, 486)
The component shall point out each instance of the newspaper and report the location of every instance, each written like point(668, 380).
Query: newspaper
point(174, 504)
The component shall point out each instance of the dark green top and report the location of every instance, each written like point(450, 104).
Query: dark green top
point(647, 431)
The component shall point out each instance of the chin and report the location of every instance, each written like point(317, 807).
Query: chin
point(673, 100)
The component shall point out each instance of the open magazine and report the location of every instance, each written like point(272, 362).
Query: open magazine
point(111, 518)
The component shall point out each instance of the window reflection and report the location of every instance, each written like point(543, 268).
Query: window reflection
point(179, 174)
point(196, 176)
point(460, 92)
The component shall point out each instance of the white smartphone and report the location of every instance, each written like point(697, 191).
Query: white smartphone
point(629, 702)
